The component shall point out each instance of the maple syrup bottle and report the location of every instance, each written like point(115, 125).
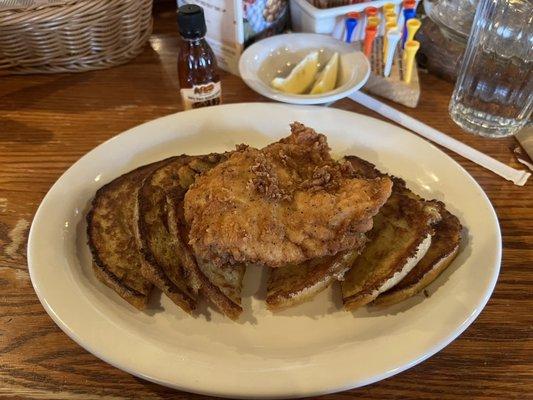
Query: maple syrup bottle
point(197, 66)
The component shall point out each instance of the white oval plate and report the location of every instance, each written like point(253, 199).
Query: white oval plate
point(308, 350)
point(268, 58)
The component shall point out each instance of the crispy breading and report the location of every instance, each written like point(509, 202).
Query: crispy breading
point(222, 285)
point(284, 204)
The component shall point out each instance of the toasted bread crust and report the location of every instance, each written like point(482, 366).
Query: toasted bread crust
point(295, 284)
point(178, 230)
point(442, 252)
point(106, 224)
point(446, 241)
point(393, 297)
point(135, 298)
point(161, 265)
point(370, 291)
point(405, 216)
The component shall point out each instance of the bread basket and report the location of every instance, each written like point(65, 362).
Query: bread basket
point(48, 36)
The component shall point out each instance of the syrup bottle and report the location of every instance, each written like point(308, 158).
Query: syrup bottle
point(197, 66)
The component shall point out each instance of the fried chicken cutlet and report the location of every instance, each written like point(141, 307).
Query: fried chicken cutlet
point(284, 204)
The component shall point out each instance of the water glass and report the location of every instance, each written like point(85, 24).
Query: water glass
point(493, 95)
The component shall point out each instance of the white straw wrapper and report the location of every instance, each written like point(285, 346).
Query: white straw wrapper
point(518, 177)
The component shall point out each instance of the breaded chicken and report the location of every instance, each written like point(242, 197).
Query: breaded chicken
point(284, 204)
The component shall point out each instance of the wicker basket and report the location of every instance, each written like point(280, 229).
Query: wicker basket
point(47, 36)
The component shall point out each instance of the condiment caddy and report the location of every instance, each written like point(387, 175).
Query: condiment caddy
point(305, 17)
point(383, 30)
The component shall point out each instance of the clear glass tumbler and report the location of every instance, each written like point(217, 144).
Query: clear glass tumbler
point(493, 95)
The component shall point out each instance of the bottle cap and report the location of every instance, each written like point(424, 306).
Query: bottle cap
point(191, 21)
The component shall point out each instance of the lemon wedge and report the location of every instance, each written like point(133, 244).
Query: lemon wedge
point(327, 78)
point(301, 76)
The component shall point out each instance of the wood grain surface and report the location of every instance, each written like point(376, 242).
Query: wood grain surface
point(47, 122)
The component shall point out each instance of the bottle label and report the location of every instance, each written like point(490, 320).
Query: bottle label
point(201, 95)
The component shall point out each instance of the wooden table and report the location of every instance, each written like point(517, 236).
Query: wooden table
point(47, 122)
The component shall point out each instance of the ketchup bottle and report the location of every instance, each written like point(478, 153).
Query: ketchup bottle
point(197, 66)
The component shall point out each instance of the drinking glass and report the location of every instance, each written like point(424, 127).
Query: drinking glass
point(493, 95)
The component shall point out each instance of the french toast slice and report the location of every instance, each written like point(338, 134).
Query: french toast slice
point(161, 266)
point(221, 285)
point(401, 236)
point(444, 248)
point(111, 225)
point(296, 284)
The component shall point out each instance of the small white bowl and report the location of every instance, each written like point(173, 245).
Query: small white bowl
point(277, 55)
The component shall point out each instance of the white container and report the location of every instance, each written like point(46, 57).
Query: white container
point(330, 21)
point(263, 61)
